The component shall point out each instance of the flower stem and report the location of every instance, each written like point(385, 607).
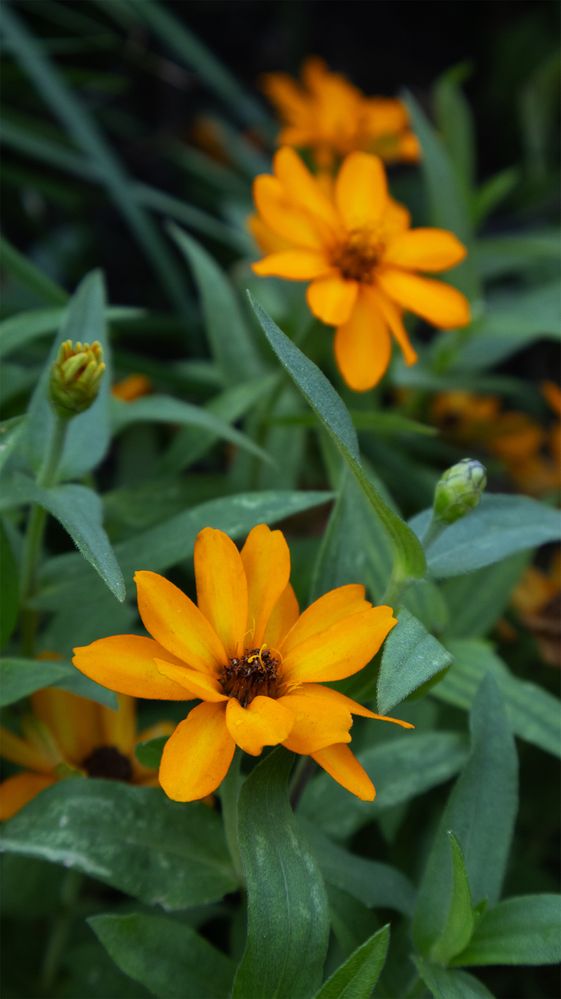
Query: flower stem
point(46, 477)
point(302, 772)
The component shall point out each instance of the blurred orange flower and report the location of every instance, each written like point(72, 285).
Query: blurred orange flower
point(353, 242)
point(327, 114)
point(257, 664)
point(132, 387)
point(537, 598)
point(65, 734)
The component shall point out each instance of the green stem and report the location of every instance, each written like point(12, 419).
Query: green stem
point(303, 771)
point(46, 477)
point(58, 938)
point(433, 531)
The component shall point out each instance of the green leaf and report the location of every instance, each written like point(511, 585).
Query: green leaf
point(534, 713)
point(22, 329)
point(83, 129)
point(29, 276)
point(356, 978)
point(230, 340)
point(455, 124)
point(499, 527)
point(288, 923)
point(149, 753)
point(444, 983)
point(410, 657)
point(21, 677)
point(10, 433)
point(401, 769)
point(375, 885)
point(87, 437)
point(512, 254)
point(460, 921)
point(9, 589)
point(333, 415)
point(171, 542)
point(166, 409)
point(524, 930)
point(107, 830)
point(79, 510)
point(489, 196)
point(448, 204)
point(166, 956)
point(477, 600)
point(480, 811)
point(511, 323)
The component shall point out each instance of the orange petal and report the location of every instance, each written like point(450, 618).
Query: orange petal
point(325, 612)
point(197, 756)
point(361, 190)
point(16, 791)
point(302, 188)
point(119, 727)
point(294, 265)
point(340, 650)
point(396, 219)
point(343, 766)
point(74, 722)
point(283, 616)
point(347, 704)
point(439, 303)
point(331, 299)
point(392, 315)
point(266, 560)
point(264, 722)
point(177, 624)
point(363, 345)
point(318, 720)
point(125, 663)
point(290, 221)
point(195, 684)
point(25, 753)
point(425, 250)
point(221, 587)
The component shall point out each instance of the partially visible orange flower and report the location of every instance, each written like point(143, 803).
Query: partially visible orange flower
point(257, 664)
point(327, 114)
point(353, 242)
point(65, 734)
point(537, 599)
point(132, 387)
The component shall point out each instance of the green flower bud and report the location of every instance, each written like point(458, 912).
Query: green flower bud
point(459, 490)
point(76, 377)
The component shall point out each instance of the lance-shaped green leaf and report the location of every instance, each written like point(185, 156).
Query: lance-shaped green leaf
point(107, 830)
point(9, 589)
point(334, 416)
point(172, 541)
point(87, 437)
point(22, 329)
point(231, 342)
point(166, 409)
point(410, 658)
point(166, 956)
point(455, 123)
point(534, 713)
point(524, 930)
point(357, 977)
point(499, 527)
point(401, 768)
point(460, 921)
point(478, 599)
point(79, 511)
point(288, 923)
point(447, 983)
point(10, 432)
point(480, 811)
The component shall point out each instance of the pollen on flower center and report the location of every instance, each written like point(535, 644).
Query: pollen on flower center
point(108, 762)
point(357, 257)
point(254, 673)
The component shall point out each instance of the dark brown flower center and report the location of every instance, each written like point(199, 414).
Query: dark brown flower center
point(108, 762)
point(253, 674)
point(357, 257)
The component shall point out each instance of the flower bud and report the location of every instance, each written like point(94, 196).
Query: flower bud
point(459, 490)
point(75, 377)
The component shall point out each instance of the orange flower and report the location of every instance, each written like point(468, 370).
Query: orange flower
point(537, 599)
point(353, 242)
point(327, 114)
point(67, 734)
point(132, 387)
point(256, 664)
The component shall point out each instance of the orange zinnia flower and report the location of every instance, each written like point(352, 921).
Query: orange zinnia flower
point(354, 244)
point(132, 387)
point(328, 114)
point(252, 659)
point(66, 734)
